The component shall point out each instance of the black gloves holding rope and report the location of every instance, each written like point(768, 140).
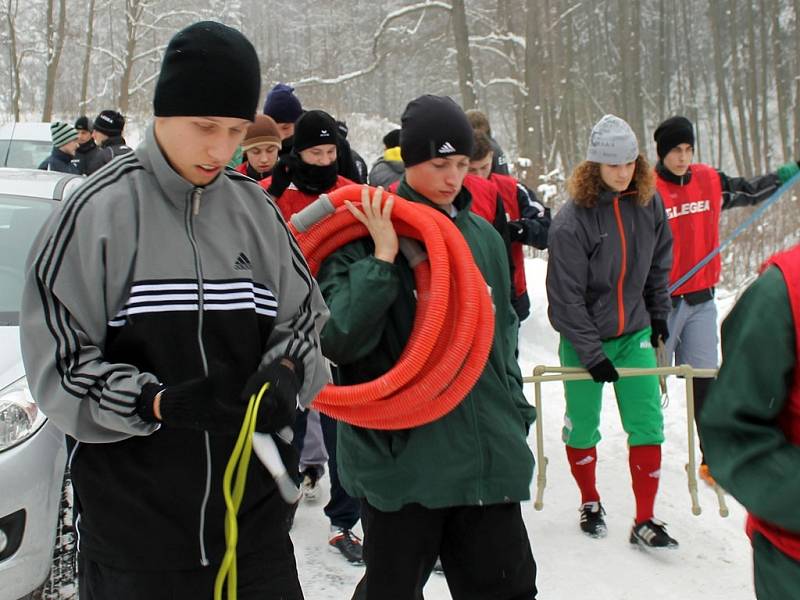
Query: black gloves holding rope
point(218, 403)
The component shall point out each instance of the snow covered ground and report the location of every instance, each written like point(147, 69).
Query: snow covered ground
point(713, 562)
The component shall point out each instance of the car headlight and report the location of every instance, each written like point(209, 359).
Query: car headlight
point(20, 418)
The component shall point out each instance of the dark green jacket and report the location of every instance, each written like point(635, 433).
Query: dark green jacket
point(475, 455)
point(746, 450)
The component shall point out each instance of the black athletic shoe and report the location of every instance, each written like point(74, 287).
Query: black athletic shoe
point(348, 544)
point(652, 534)
point(592, 522)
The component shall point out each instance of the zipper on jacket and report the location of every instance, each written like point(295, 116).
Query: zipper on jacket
point(621, 280)
point(192, 210)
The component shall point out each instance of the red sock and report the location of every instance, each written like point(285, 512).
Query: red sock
point(582, 463)
point(645, 462)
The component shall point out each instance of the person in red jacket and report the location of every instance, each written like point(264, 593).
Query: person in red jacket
point(694, 196)
point(528, 219)
point(260, 148)
point(310, 169)
point(751, 421)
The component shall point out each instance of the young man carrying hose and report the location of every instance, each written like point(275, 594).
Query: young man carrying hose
point(164, 294)
point(751, 421)
point(453, 487)
point(694, 195)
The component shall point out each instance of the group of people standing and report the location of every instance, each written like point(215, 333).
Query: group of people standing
point(144, 346)
point(85, 147)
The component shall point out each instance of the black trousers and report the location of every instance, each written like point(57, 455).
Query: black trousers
point(270, 575)
point(485, 552)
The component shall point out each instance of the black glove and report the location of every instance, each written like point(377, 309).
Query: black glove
point(604, 371)
point(281, 178)
point(279, 403)
point(209, 403)
point(660, 330)
point(517, 231)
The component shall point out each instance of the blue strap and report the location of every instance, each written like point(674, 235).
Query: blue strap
point(776, 195)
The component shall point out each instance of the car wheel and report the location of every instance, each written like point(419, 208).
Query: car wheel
point(62, 582)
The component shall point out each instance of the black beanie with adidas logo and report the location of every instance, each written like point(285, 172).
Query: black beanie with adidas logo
point(434, 127)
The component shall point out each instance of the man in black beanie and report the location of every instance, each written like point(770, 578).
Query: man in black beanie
point(694, 196)
point(389, 167)
point(453, 487)
point(169, 291)
point(107, 135)
point(88, 152)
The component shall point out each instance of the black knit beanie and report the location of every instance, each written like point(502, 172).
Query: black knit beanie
point(673, 132)
point(314, 128)
point(82, 123)
point(392, 139)
point(209, 70)
point(434, 127)
point(109, 122)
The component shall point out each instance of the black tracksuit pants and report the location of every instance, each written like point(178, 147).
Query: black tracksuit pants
point(485, 552)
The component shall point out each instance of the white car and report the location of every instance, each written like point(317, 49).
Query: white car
point(24, 145)
point(37, 546)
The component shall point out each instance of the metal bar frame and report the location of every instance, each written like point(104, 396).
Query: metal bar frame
point(543, 374)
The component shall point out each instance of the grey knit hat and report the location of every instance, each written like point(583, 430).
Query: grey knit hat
point(62, 133)
point(612, 142)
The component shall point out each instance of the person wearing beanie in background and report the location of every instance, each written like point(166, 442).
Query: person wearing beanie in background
point(260, 148)
point(751, 421)
point(451, 488)
point(169, 289)
point(308, 170)
point(694, 194)
point(610, 252)
point(480, 123)
point(65, 144)
point(107, 133)
point(389, 168)
point(528, 219)
point(87, 150)
point(284, 107)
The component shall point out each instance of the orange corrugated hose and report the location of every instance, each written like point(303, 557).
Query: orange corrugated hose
point(453, 326)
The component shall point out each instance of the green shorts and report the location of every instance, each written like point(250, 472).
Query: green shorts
point(638, 398)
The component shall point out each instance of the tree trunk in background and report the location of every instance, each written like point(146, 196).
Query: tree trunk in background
point(796, 148)
point(531, 129)
point(13, 58)
point(752, 87)
point(466, 80)
point(55, 43)
point(663, 49)
point(778, 54)
point(736, 78)
point(722, 88)
point(87, 60)
point(764, 30)
point(133, 15)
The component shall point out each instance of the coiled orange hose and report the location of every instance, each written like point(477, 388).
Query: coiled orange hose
point(453, 326)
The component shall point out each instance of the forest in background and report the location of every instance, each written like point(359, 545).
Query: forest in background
point(543, 70)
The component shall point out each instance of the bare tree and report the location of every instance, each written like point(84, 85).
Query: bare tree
point(55, 43)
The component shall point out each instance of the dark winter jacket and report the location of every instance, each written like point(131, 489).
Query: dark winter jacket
point(608, 270)
point(475, 455)
point(111, 304)
point(88, 156)
point(109, 149)
point(386, 172)
point(746, 449)
point(60, 161)
point(499, 160)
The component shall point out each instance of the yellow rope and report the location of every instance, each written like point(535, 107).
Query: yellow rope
point(239, 462)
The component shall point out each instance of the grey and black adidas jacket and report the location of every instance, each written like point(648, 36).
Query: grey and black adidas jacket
point(111, 303)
